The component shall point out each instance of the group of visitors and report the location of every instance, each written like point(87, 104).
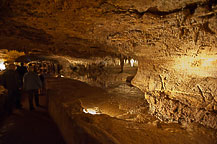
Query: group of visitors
point(45, 67)
point(19, 79)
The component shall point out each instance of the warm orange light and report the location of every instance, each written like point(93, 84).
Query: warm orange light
point(209, 62)
point(2, 65)
point(200, 65)
point(92, 111)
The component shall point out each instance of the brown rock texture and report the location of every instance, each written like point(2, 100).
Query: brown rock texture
point(174, 110)
point(140, 28)
point(175, 41)
point(190, 90)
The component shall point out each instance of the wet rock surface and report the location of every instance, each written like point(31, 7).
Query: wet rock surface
point(173, 96)
point(123, 118)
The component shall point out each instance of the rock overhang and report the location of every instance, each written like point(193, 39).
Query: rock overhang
point(138, 28)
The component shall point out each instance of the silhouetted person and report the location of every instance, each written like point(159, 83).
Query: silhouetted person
point(21, 70)
point(12, 83)
point(122, 63)
point(59, 67)
point(31, 84)
point(42, 78)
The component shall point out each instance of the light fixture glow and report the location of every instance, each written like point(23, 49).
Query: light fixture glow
point(2, 66)
point(92, 111)
point(132, 62)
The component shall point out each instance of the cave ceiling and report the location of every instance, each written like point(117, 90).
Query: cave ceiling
point(80, 28)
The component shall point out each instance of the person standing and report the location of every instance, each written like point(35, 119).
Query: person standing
point(42, 78)
point(11, 82)
point(122, 63)
point(21, 70)
point(31, 84)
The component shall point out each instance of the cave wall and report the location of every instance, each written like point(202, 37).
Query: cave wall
point(184, 74)
point(100, 72)
point(182, 64)
point(175, 42)
point(178, 90)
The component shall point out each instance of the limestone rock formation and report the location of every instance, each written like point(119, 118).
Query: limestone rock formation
point(175, 42)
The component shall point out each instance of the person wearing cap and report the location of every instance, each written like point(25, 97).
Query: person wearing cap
point(31, 84)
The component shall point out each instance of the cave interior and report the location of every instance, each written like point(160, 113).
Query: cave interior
point(125, 71)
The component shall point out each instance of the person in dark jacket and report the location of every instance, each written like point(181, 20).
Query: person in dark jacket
point(122, 63)
point(42, 78)
point(21, 70)
point(11, 82)
point(31, 84)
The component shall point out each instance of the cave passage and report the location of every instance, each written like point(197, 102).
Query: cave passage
point(132, 72)
point(96, 98)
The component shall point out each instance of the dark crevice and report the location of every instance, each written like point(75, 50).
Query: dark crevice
point(196, 37)
point(94, 47)
point(103, 2)
point(192, 7)
point(206, 28)
point(134, 11)
point(154, 10)
point(211, 3)
point(182, 31)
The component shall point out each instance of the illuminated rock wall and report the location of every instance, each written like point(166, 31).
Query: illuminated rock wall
point(182, 89)
point(177, 64)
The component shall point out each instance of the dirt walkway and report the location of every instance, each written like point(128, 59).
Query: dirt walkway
point(30, 127)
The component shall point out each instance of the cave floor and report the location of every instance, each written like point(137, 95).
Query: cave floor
point(124, 117)
point(30, 127)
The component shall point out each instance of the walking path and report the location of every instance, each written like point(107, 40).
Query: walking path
point(124, 119)
point(30, 127)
